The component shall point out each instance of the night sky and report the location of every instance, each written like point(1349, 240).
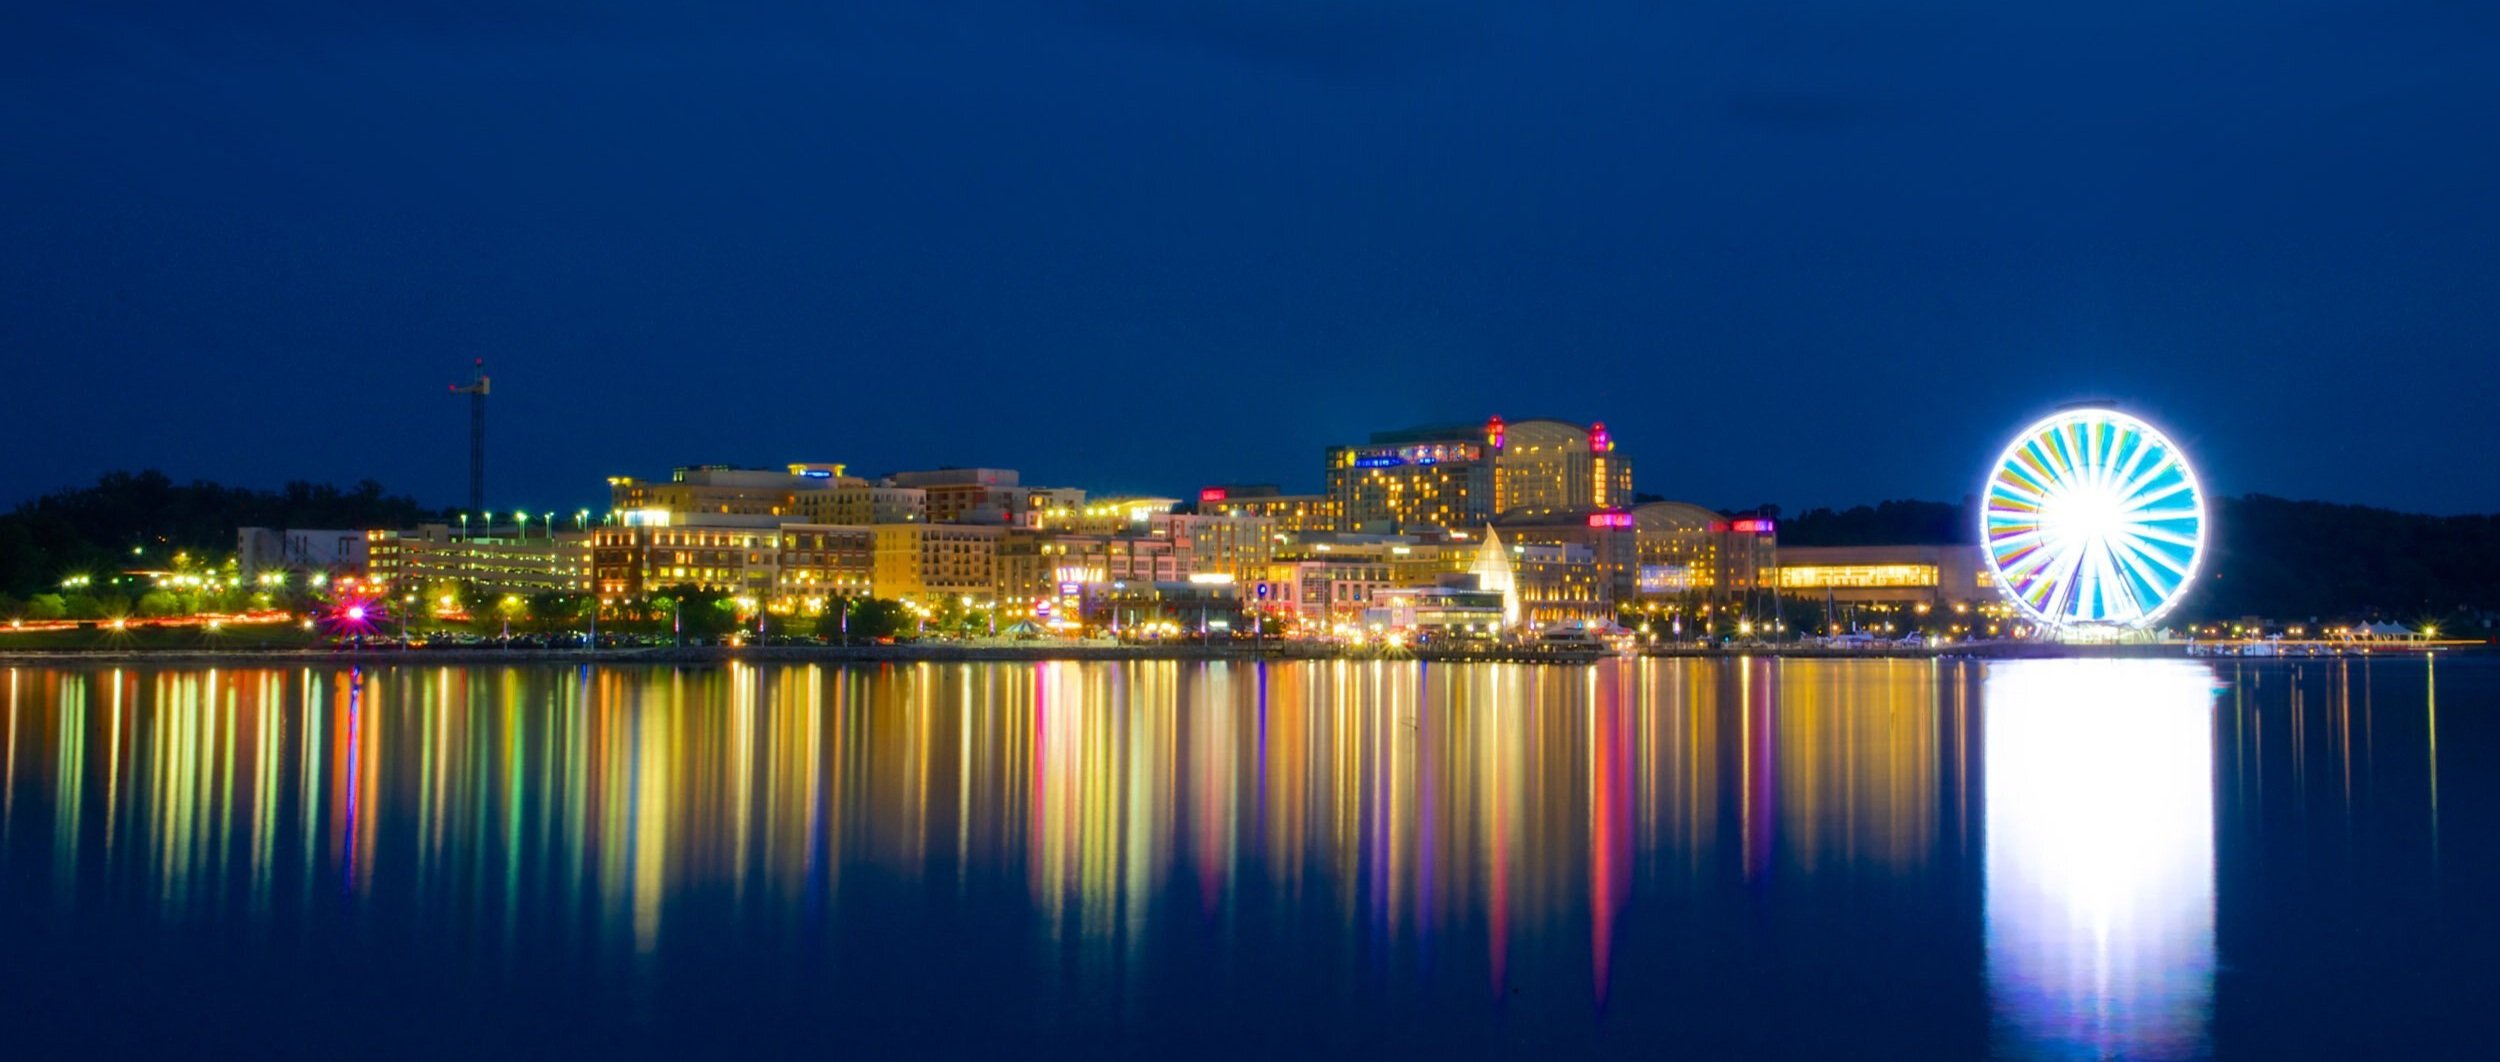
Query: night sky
point(1794, 252)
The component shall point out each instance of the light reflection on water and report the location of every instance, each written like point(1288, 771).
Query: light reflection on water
point(2100, 857)
point(2046, 830)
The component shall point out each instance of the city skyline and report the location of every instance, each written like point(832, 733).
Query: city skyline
point(1825, 258)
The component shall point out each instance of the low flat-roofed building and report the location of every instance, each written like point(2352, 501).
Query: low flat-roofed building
point(1438, 611)
point(1934, 575)
point(504, 561)
point(259, 549)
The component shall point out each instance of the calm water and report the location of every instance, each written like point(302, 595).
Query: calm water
point(1697, 858)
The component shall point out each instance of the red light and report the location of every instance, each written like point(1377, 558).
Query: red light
point(1211, 494)
point(1754, 527)
point(1614, 520)
point(355, 613)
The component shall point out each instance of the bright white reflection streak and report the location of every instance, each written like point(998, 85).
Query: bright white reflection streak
point(2100, 847)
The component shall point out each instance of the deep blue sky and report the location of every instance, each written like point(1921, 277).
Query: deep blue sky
point(1802, 252)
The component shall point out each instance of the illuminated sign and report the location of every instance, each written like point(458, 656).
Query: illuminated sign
point(1420, 454)
point(1666, 578)
point(1211, 494)
point(816, 473)
point(1610, 520)
point(1750, 526)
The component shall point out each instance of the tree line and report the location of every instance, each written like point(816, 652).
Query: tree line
point(96, 529)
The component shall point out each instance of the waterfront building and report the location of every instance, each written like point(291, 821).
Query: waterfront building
point(1109, 515)
point(1039, 566)
point(1417, 479)
point(1610, 536)
point(976, 495)
point(651, 549)
point(1290, 513)
point(816, 563)
point(1686, 553)
point(500, 560)
point(1907, 586)
point(725, 490)
point(1336, 589)
point(1440, 612)
point(857, 503)
point(1553, 466)
point(260, 549)
point(1560, 583)
point(932, 562)
point(1235, 548)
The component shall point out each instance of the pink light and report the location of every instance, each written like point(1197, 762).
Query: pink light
point(355, 613)
point(1614, 520)
point(1211, 494)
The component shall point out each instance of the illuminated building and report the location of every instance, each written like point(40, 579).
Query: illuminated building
point(1237, 547)
point(1040, 565)
point(1554, 466)
point(857, 504)
point(503, 560)
point(818, 562)
point(1105, 516)
point(934, 562)
point(1462, 476)
point(1440, 611)
point(1324, 590)
point(1290, 512)
point(723, 490)
point(1609, 535)
point(648, 551)
point(1685, 551)
point(259, 549)
point(981, 496)
point(1930, 575)
point(1423, 478)
point(1560, 584)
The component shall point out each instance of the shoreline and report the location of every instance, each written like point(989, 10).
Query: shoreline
point(1021, 653)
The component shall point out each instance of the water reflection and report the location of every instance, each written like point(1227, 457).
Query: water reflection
point(2100, 864)
point(2026, 852)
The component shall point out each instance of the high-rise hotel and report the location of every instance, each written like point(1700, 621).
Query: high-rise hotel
point(1463, 476)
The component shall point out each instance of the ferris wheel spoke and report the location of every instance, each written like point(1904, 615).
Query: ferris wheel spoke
point(2150, 565)
point(2149, 496)
point(2153, 553)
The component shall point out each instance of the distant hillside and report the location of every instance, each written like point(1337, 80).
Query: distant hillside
point(95, 528)
point(2268, 556)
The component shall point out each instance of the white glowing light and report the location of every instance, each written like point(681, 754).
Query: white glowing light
point(2093, 518)
point(2100, 857)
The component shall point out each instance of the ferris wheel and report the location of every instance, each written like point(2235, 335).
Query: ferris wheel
point(2092, 518)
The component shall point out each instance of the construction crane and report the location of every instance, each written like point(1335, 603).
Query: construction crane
point(476, 390)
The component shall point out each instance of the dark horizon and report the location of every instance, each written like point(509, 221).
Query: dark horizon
point(1798, 253)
